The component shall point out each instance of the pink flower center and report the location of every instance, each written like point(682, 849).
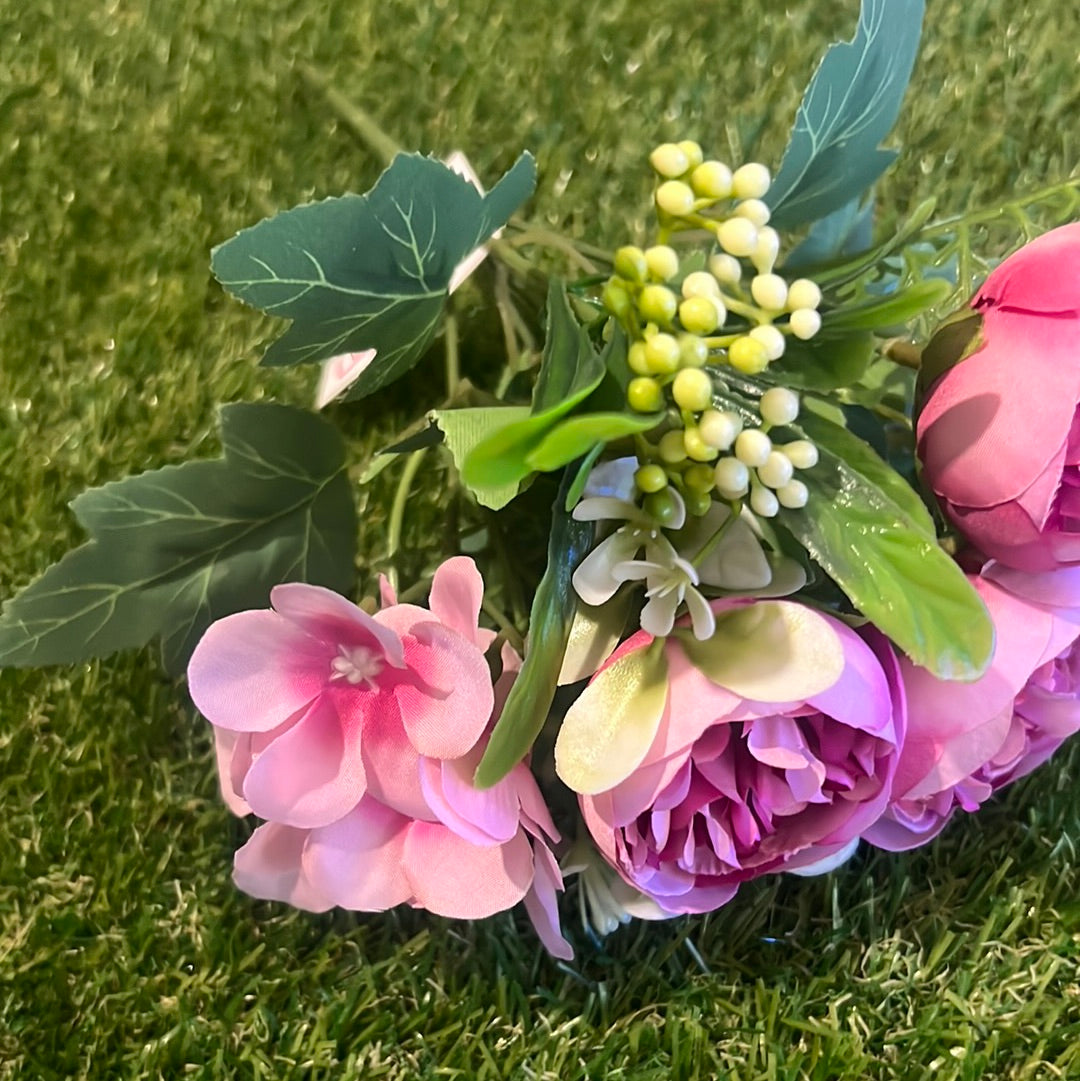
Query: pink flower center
point(356, 664)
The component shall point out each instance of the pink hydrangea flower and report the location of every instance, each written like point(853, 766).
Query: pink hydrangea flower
point(356, 737)
point(772, 748)
point(966, 741)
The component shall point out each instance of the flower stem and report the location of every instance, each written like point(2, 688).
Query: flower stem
point(397, 511)
point(453, 359)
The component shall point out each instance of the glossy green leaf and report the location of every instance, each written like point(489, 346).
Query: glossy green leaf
point(174, 549)
point(368, 271)
point(578, 435)
point(581, 477)
point(849, 107)
point(550, 619)
point(893, 309)
point(464, 429)
point(891, 570)
point(857, 454)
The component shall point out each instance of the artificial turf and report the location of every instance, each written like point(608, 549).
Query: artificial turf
point(133, 137)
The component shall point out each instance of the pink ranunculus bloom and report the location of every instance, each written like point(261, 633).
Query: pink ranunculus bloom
point(967, 740)
point(999, 434)
point(779, 767)
point(356, 737)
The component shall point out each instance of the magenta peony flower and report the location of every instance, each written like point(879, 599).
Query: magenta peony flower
point(999, 434)
point(771, 747)
point(967, 740)
point(356, 737)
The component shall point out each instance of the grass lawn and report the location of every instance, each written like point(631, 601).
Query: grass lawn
point(133, 137)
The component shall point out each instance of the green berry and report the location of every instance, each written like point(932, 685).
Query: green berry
point(711, 180)
point(699, 477)
point(657, 304)
point(662, 506)
point(748, 355)
point(644, 395)
point(696, 447)
point(616, 299)
point(699, 315)
point(630, 264)
point(671, 447)
point(637, 359)
point(662, 354)
point(698, 503)
point(662, 261)
point(692, 390)
point(692, 150)
point(651, 478)
point(693, 352)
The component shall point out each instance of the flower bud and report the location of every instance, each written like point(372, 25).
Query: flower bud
point(697, 502)
point(662, 262)
point(750, 181)
point(803, 293)
point(802, 453)
point(693, 352)
point(700, 283)
point(804, 323)
point(725, 268)
point(637, 360)
point(711, 180)
point(692, 150)
point(771, 338)
point(779, 406)
point(719, 429)
point(675, 198)
point(732, 478)
point(777, 470)
point(793, 495)
point(651, 478)
point(753, 210)
point(669, 160)
point(763, 503)
point(753, 447)
point(699, 477)
point(692, 389)
point(630, 263)
point(770, 291)
point(737, 236)
point(765, 250)
point(662, 506)
point(616, 299)
point(696, 447)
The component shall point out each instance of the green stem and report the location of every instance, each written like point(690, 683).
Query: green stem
point(354, 118)
point(453, 359)
point(397, 511)
point(506, 628)
point(710, 545)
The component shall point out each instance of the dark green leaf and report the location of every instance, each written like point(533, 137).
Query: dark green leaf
point(845, 231)
point(825, 362)
point(891, 570)
point(176, 548)
point(368, 271)
point(849, 107)
point(581, 477)
point(577, 436)
point(552, 614)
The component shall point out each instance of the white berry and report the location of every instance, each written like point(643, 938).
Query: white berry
point(770, 291)
point(793, 495)
point(804, 323)
point(779, 405)
point(719, 429)
point(750, 181)
point(803, 293)
point(732, 478)
point(771, 338)
point(737, 236)
point(753, 447)
point(802, 453)
point(763, 503)
point(777, 470)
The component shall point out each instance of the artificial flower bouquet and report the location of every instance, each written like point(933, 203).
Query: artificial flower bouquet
point(735, 575)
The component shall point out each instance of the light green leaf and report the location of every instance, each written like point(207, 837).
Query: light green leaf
point(530, 697)
point(368, 271)
point(891, 310)
point(174, 549)
point(578, 435)
point(464, 429)
point(607, 732)
point(849, 107)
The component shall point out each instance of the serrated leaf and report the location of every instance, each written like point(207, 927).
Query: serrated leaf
point(849, 107)
point(464, 429)
point(174, 549)
point(893, 573)
point(530, 698)
point(579, 435)
point(368, 271)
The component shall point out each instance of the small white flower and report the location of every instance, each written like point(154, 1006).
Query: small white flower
point(670, 581)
